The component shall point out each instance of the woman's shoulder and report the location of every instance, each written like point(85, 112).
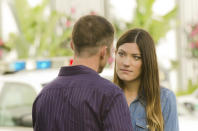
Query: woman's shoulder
point(165, 92)
point(167, 96)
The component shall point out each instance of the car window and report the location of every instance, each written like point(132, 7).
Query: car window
point(16, 101)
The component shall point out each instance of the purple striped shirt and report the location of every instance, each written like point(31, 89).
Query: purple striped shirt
point(80, 100)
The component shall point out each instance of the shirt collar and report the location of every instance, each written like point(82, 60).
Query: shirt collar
point(139, 99)
point(75, 70)
point(142, 102)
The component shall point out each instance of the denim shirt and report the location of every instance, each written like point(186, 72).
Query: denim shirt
point(169, 112)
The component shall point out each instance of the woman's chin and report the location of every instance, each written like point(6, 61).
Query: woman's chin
point(124, 78)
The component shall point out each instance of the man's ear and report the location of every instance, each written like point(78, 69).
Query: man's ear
point(72, 45)
point(103, 51)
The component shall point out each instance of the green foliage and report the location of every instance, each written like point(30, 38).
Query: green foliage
point(174, 64)
point(191, 88)
point(40, 35)
point(144, 18)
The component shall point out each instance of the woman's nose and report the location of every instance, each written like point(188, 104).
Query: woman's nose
point(126, 61)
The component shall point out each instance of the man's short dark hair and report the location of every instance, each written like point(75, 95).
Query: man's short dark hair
point(91, 32)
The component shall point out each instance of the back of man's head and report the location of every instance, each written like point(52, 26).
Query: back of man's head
point(89, 33)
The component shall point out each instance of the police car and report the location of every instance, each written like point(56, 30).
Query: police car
point(190, 102)
point(18, 90)
point(17, 93)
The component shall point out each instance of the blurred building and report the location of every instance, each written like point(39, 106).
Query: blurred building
point(188, 67)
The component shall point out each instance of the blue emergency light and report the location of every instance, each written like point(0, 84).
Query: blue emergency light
point(43, 64)
point(17, 66)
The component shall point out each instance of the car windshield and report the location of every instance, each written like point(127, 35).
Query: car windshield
point(16, 101)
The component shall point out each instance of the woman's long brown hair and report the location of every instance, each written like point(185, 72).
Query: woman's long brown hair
point(149, 90)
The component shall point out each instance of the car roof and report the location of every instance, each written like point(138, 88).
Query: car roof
point(43, 76)
point(36, 86)
point(34, 76)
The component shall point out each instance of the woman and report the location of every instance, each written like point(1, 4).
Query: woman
point(152, 107)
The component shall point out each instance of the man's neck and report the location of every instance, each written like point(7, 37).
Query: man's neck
point(91, 62)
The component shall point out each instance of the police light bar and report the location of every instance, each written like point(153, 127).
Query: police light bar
point(17, 66)
point(43, 64)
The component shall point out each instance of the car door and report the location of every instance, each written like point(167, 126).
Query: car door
point(16, 99)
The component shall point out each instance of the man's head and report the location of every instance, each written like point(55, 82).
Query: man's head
point(93, 35)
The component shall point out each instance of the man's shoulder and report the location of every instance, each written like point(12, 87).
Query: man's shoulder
point(107, 86)
point(88, 82)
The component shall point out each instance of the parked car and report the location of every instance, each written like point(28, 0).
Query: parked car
point(17, 93)
point(190, 102)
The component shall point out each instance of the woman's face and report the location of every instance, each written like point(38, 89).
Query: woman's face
point(128, 62)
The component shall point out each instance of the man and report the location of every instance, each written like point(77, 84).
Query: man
point(79, 99)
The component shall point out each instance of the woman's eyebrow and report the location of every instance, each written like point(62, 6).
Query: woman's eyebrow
point(122, 50)
point(130, 53)
point(136, 54)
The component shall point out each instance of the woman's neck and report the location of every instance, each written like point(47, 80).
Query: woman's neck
point(131, 90)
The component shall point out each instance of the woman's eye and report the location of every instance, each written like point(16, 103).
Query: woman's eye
point(137, 57)
point(120, 53)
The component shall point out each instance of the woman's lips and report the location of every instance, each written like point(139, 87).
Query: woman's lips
point(125, 70)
